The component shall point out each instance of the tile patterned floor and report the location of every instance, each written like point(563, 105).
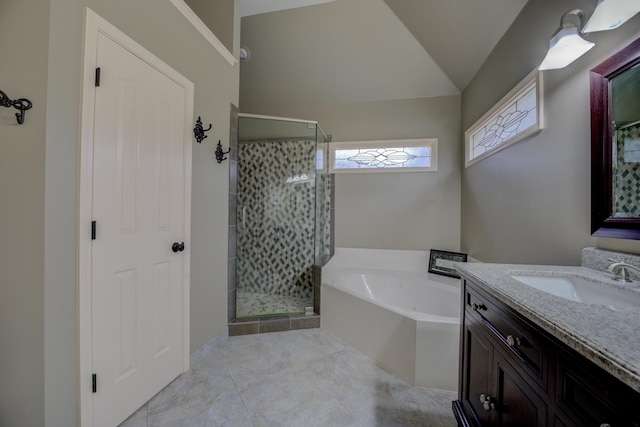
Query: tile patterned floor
point(250, 304)
point(296, 378)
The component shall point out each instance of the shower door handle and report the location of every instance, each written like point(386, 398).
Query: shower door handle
point(244, 217)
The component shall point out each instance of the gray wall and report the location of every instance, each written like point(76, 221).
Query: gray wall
point(530, 203)
point(218, 16)
point(38, 182)
point(417, 210)
point(23, 74)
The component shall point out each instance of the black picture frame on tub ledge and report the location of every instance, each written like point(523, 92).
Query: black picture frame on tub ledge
point(440, 262)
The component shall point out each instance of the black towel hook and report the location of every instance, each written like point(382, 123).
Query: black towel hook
point(220, 154)
point(21, 104)
point(198, 131)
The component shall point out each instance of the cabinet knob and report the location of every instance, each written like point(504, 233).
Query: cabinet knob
point(480, 306)
point(487, 402)
point(513, 341)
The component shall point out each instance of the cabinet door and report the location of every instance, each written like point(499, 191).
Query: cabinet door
point(477, 372)
point(591, 397)
point(517, 405)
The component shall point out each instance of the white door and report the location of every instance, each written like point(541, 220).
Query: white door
point(140, 176)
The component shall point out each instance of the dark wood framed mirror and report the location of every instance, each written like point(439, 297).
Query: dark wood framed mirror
point(615, 145)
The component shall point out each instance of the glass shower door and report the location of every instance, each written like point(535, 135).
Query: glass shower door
point(276, 217)
point(324, 204)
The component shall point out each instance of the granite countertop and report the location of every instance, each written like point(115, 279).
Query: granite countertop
point(610, 338)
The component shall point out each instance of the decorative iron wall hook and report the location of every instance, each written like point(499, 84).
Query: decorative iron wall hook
point(220, 154)
point(198, 131)
point(21, 104)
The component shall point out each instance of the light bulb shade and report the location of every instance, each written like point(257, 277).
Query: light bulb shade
point(610, 14)
point(564, 48)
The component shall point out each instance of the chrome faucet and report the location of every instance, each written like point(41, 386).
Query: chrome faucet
point(619, 269)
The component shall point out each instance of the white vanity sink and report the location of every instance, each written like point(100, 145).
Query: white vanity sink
point(579, 289)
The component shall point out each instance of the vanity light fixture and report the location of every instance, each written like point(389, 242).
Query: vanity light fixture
point(610, 14)
point(567, 44)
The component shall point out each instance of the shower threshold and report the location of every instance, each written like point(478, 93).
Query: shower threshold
point(251, 304)
point(284, 313)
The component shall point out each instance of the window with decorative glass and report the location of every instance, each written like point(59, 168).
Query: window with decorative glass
point(518, 115)
point(400, 155)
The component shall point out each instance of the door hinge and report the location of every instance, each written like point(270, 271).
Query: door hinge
point(94, 382)
point(93, 230)
point(97, 76)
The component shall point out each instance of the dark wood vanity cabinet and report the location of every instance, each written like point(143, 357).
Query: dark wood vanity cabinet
point(512, 373)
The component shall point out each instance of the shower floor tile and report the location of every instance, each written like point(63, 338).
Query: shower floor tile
point(250, 304)
point(296, 378)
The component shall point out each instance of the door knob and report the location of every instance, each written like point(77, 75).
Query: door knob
point(177, 247)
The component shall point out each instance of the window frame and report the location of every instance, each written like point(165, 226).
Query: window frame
point(432, 143)
point(532, 79)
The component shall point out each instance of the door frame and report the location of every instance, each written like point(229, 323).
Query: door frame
point(95, 25)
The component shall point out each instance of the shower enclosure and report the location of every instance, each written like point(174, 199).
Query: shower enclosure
point(283, 214)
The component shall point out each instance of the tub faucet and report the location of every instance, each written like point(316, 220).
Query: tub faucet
point(619, 269)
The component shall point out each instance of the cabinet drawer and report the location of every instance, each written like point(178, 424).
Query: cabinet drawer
point(586, 393)
point(521, 340)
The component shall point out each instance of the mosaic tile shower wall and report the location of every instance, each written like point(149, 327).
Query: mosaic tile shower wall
point(276, 218)
point(626, 188)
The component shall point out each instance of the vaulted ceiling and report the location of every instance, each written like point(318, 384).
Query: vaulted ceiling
point(457, 34)
point(349, 51)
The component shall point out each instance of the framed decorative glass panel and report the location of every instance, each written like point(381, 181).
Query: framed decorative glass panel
point(518, 115)
point(403, 155)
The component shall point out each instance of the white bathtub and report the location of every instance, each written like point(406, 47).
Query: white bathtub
point(385, 304)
